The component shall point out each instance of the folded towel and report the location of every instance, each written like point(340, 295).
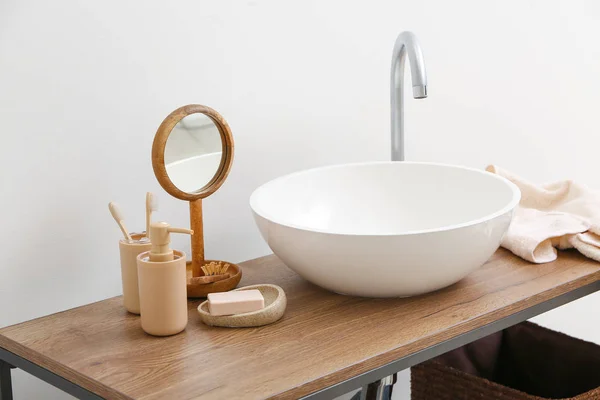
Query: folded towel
point(559, 215)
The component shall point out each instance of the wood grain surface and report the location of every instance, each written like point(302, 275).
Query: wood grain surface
point(323, 338)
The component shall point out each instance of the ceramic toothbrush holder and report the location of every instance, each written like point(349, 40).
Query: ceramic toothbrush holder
point(129, 275)
point(163, 294)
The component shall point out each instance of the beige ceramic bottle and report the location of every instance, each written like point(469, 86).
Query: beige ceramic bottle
point(129, 250)
point(162, 284)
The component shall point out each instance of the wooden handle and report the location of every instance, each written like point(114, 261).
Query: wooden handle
point(200, 280)
point(197, 238)
point(124, 230)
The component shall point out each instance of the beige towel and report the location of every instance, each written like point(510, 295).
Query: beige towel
point(559, 215)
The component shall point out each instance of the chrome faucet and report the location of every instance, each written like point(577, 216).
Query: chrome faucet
point(405, 43)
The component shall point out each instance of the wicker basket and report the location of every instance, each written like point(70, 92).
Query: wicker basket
point(524, 362)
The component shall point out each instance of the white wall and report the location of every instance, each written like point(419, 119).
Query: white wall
point(84, 85)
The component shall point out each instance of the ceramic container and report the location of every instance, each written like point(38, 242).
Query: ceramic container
point(385, 229)
point(163, 298)
point(275, 304)
point(129, 276)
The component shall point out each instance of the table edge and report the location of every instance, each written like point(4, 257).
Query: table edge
point(313, 388)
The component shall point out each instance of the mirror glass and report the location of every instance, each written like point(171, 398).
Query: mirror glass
point(193, 152)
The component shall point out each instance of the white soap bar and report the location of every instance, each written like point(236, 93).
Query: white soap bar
point(235, 302)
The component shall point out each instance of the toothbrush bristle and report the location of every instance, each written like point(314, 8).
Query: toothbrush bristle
point(151, 201)
point(215, 268)
point(115, 211)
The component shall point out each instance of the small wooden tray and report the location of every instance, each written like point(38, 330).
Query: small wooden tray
point(225, 285)
point(275, 304)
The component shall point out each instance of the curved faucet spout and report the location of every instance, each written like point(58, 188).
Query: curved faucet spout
point(406, 44)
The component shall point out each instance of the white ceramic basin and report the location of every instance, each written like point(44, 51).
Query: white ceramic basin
point(385, 229)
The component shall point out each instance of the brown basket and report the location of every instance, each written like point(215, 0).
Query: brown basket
point(524, 362)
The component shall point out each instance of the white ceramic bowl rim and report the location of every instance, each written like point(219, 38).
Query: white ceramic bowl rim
point(516, 197)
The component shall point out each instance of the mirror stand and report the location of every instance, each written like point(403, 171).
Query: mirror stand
point(192, 166)
point(196, 225)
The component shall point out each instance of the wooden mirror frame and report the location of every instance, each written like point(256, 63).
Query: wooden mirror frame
point(195, 198)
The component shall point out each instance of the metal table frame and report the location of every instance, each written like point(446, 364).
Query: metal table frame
point(375, 384)
point(10, 360)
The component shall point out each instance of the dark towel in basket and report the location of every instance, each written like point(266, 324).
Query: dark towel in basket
point(525, 362)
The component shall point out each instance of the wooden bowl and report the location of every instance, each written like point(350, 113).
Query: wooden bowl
point(225, 285)
point(275, 304)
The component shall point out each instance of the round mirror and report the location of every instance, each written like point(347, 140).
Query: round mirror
point(192, 152)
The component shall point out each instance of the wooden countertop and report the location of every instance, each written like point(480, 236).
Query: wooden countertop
point(323, 339)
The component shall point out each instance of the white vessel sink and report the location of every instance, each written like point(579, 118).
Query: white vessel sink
point(385, 229)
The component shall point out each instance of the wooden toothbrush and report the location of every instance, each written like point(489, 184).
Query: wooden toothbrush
point(151, 206)
point(116, 213)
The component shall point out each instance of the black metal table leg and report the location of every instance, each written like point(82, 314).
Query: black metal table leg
point(378, 390)
point(382, 389)
point(11, 360)
point(5, 381)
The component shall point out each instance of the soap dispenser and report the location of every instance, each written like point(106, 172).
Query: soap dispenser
point(162, 283)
